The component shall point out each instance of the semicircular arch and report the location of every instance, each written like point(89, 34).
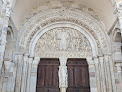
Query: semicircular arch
point(44, 19)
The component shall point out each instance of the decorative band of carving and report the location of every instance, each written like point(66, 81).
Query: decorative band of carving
point(68, 16)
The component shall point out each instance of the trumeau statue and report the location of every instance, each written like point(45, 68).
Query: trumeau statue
point(63, 76)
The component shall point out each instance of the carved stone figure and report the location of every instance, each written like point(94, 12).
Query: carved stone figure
point(63, 82)
point(63, 42)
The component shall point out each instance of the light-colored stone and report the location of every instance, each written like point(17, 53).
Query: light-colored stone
point(55, 28)
point(63, 75)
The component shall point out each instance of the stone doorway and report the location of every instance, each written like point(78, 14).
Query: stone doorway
point(48, 80)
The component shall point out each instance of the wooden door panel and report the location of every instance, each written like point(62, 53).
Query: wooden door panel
point(42, 75)
point(78, 75)
point(55, 76)
point(70, 76)
point(77, 90)
point(47, 77)
point(77, 79)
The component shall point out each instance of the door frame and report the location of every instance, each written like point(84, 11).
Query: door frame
point(92, 74)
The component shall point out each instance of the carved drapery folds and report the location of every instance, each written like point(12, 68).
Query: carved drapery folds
point(63, 75)
point(63, 41)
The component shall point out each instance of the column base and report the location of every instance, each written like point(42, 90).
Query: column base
point(63, 89)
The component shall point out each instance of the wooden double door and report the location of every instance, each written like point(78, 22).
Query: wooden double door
point(78, 75)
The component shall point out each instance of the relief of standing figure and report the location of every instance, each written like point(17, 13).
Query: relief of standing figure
point(63, 76)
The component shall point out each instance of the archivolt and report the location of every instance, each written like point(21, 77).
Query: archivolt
point(79, 18)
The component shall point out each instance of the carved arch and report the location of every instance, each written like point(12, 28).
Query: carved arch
point(79, 18)
point(80, 29)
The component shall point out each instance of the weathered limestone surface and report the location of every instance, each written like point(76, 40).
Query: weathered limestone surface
point(63, 75)
point(5, 12)
point(64, 28)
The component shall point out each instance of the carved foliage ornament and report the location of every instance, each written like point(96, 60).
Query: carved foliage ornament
point(63, 41)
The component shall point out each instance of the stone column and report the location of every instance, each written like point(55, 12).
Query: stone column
point(19, 72)
point(30, 60)
point(63, 76)
point(93, 82)
point(4, 83)
point(34, 74)
point(24, 74)
point(97, 74)
point(119, 73)
point(108, 73)
point(102, 67)
point(4, 18)
point(111, 62)
point(10, 75)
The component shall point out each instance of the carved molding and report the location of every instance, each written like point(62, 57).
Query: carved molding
point(58, 16)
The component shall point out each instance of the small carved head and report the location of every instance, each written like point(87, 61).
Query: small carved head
point(63, 61)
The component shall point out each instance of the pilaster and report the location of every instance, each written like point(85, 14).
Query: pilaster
point(97, 74)
point(102, 67)
point(92, 76)
point(108, 73)
point(34, 74)
point(119, 77)
point(24, 74)
point(30, 60)
point(20, 62)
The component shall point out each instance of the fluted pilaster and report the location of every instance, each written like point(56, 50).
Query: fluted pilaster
point(30, 60)
point(97, 74)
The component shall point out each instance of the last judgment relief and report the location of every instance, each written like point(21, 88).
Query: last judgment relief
point(63, 41)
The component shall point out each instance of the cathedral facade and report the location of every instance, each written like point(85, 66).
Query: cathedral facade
point(60, 45)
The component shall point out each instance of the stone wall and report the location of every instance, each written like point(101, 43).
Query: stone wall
point(19, 69)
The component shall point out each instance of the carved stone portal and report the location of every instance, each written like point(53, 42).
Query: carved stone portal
point(63, 41)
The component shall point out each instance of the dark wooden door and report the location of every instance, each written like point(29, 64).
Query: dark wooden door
point(78, 76)
point(47, 77)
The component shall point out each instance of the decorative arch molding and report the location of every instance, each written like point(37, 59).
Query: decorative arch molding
point(79, 18)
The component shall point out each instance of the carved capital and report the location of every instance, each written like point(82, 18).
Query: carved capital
point(96, 60)
point(30, 60)
point(36, 60)
point(90, 61)
point(101, 59)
